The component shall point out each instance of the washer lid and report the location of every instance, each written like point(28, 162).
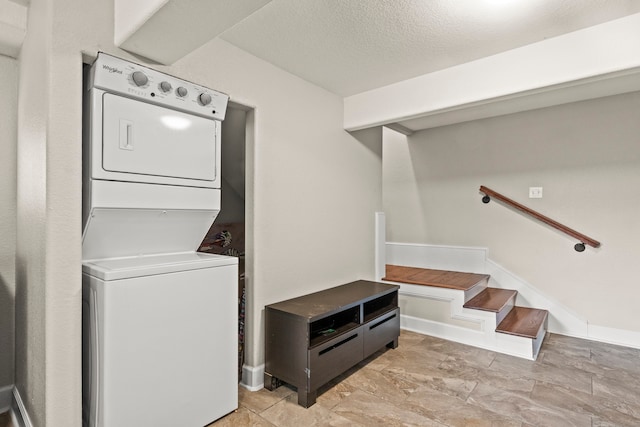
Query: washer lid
point(114, 232)
point(149, 265)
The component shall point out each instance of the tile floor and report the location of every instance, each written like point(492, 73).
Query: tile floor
point(427, 381)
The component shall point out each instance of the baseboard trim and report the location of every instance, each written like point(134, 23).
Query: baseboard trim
point(501, 343)
point(561, 321)
point(19, 415)
point(5, 397)
point(614, 336)
point(252, 377)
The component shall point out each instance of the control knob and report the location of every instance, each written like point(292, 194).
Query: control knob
point(182, 92)
point(204, 99)
point(165, 87)
point(139, 78)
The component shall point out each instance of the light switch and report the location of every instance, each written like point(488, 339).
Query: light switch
point(535, 192)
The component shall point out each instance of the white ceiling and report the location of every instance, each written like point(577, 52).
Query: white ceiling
point(351, 46)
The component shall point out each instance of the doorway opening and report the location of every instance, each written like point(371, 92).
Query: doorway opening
point(228, 234)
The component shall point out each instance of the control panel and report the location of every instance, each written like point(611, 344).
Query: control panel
point(137, 81)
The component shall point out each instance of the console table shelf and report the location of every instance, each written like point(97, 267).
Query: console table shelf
point(314, 338)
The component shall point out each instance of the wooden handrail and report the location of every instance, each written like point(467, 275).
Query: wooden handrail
point(585, 240)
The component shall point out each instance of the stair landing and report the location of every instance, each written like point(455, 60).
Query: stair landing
point(438, 278)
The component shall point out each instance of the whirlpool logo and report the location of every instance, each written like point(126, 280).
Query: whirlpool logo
point(111, 69)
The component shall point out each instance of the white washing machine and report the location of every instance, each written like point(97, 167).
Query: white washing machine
point(162, 339)
point(159, 319)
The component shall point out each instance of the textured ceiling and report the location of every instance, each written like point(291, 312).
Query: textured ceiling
point(350, 46)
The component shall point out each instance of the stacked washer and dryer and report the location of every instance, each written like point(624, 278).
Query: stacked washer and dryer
point(159, 318)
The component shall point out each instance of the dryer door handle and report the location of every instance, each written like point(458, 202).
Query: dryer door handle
point(126, 135)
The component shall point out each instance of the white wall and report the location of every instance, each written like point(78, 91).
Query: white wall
point(8, 112)
point(311, 193)
point(31, 228)
point(585, 155)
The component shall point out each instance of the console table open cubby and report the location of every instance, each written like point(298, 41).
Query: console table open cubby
point(314, 338)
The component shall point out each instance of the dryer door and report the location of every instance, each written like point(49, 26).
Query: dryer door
point(144, 139)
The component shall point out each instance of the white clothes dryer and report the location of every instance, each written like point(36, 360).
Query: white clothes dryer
point(151, 160)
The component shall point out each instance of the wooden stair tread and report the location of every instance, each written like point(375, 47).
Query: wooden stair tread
point(523, 321)
point(491, 299)
point(437, 278)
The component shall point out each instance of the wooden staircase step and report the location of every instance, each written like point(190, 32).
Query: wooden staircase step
point(492, 299)
point(524, 322)
point(437, 278)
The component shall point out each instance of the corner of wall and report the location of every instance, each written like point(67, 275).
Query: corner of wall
point(252, 377)
point(380, 252)
point(5, 397)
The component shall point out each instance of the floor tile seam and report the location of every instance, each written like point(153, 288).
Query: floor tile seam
point(608, 366)
point(424, 413)
point(405, 345)
point(466, 400)
point(583, 405)
point(409, 377)
point(532, 376)
point(252, 410)
point(567, 367)
point(330, 409)
point(266, 420)
point(564, 409)
point(254, 413)
point(393, 402)
point(610, 372)
point(495, 354)
point(396, 375)
point(268, 407)
point(567, 360)
point(535, 384)
point(483, 408)
point(453, 393)
point(615, 398)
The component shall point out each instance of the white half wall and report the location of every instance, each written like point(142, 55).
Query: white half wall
point(438, 257)
point(589, 63)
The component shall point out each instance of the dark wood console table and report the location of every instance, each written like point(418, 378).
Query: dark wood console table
point(314, 338)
